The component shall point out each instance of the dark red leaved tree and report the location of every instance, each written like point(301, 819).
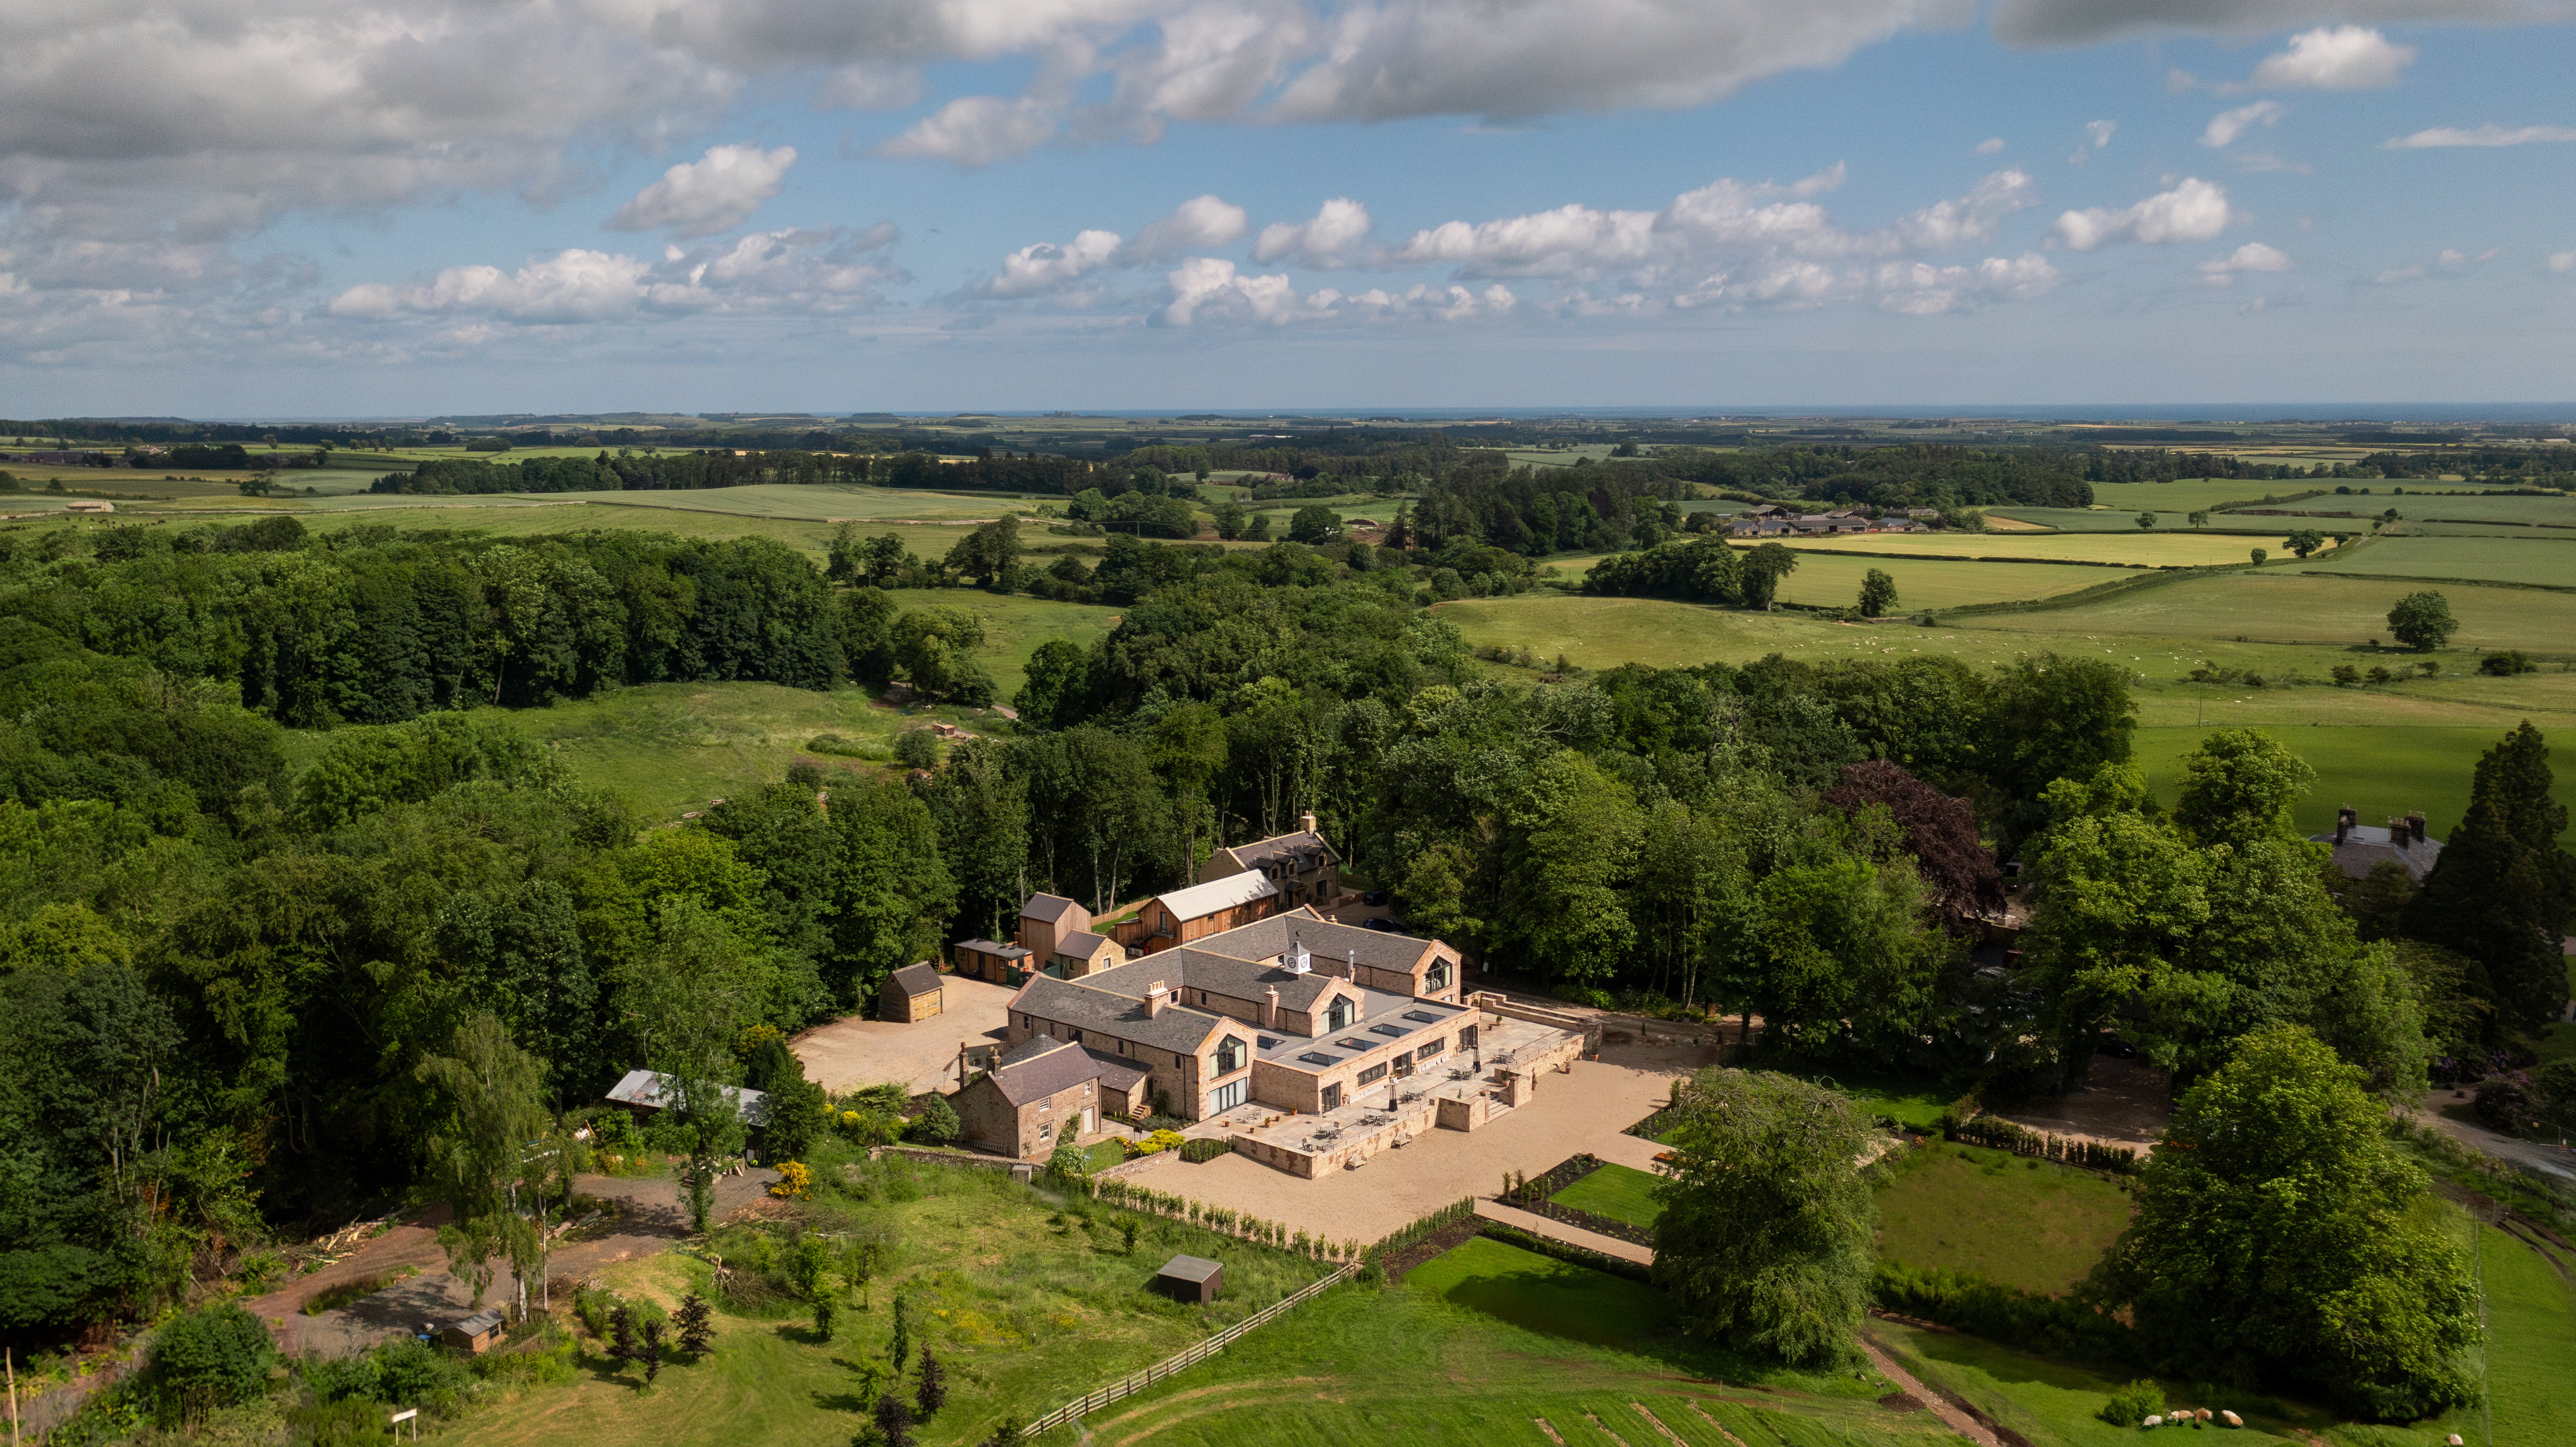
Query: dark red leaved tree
point(1940, 832)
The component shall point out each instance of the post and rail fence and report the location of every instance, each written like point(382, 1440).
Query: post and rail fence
point(1134, 1382)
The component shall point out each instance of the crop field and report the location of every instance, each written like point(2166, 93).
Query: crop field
point(1481, 1346)
point(2546, 561)
point(2135, 548)
point(2191, 494)
point(2124, 521)
point(2025, 1222)
point(2418, 507)
point(528, 517)
point(2291, 605)
point(1826, 579)
point(817, 502)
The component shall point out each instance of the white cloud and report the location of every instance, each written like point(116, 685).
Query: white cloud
point(2226, 126)
point(2097, 134)
point(1972, 217)
point(2562, 261)
point(2083, 22)
point(824, 270)
point(2441, 137)
point(1198, 224)
point(2252, 256)
point(1439, 303)
point(1045, 266)
point(2449, 261)
point(1210, 286)
point(976, 131)
point(1329, 240)
point(1920, 289)
point(2195, 210)
point(715, 193)
point(2337, 57)
point(869, 86)
point(1572, 240)
point(1991, 145)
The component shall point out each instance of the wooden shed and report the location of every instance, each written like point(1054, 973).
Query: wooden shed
point(1190, 1278)
point(911, 994)
point(481, 1331)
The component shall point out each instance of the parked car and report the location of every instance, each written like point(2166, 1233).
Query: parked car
point(1381, 924)
point(1374, 896)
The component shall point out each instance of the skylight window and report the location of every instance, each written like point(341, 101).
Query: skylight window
point(1315, 1057)
point(1386, 1029)
point(1424, 1016)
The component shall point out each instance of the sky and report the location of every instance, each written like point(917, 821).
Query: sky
point(342, 208)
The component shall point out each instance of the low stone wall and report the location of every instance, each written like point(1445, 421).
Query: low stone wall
point(1020, 1170)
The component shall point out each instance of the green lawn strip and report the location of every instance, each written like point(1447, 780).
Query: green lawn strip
point(2531, 1339)
point(1618, 1192)
point(1104, 1154)
point(1469, 1349)
point(2059, 1406)
point(1025, 1308)
point(2022, 1221)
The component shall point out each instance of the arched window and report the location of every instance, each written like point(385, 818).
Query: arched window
point(1229, 1056)
point(1339, 1017)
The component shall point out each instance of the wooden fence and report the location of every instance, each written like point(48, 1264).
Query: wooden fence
point(1135, 1382)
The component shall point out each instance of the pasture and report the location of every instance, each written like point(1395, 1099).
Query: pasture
point(2422, 507)
point(2025, 1222)
point(2125, 521)
point(2193, 494)
point(2295, 605)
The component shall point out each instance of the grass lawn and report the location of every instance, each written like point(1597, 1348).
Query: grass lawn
point(1014, 625)
point(2531, 1337)
point(1479, 1346)
point(2294, 605)
point(2380, 770)
point(1907, 1100)
point(2152, 549)
point(2055, 1405)
point(2545, 560)
point(2023, 1221)
point(1621, 1193)
point(1024, 1307)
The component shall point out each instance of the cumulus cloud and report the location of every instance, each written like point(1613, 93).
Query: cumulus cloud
point(2083, 22)
point(2097, 134)
point(1972, 217)
point(1920, 289)
point(1196, 224)
point(1044, 266)
point(2448, 262)
point(2226, 126)
point(1335, 233)
point(976, 131)
point(714, 193)
point(1991, 145)
point(2445, 137)
point(1210, 286)
point(827, 269)
point(2252, 256)
point(2335, 57)
point(2195, 210)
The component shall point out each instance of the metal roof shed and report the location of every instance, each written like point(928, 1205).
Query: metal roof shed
point(1190, 1278)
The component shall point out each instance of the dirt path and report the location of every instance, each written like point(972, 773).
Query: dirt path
point(1940, 1406)
point(2555, 1161)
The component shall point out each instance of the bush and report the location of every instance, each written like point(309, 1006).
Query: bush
point(2005, 1315)
point(2504, 1103)
point(917, 749)
point(209, 1358)
point(1204, 1149)
point(2507, 663)
point(937, 1124)
point(2133, 1404)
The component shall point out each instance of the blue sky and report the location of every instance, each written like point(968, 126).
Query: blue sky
point(224, 208)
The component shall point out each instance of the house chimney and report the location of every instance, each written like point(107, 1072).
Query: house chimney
point(1306, 821)
point(2415, 825)
point(2347, 819)
point(1351, 965)
point(1156, 997)
point(1270, 1008)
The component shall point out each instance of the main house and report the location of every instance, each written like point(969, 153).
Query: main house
point(1305, 868)
point(1293, 1011)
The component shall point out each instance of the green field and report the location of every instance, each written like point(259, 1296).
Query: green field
point(2295, 605)
point(1827, 579)
point(2025, 1222)
point(1480, 1346)
point(2192, 494)
point(2531, 1320)
point(2545, 560)
point(2132, 548)
point(1618, 1192)
point(2381, 770)
point(2054, 1405)
point(2125, 521)
point(2418, 507)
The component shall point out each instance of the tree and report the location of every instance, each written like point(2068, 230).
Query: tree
point(894, 1422)
point(917, 749)
point(933, 1391)
point(2279, 1236)
point(1229, 520)
point(208, 1358)
point(2261, 556)
point(937, 1124)
point(697, 1325)
point(649, 1350)
point(1939, 831)
point(1313, 523)
point(2146, 520)
point(1765, 1240)
point(935, 648)
point(491, 1093)
point(2304, 541)
point(2423, 621)
point(1059, 682)
point(1764, 567)
point(900, 1348)
point(2200, 517)
point(2238, 786)
point(1877, 593)
point(2502, 889)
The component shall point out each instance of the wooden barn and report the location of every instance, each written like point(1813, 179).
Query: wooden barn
point(912, 994)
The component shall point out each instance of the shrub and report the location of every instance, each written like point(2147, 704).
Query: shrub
point(917, 749)
point(209, 1358)
point(795, 1182)
point(2507, 663)
point(2504, 1103)
point(937, 1124)
point(2132, 1404)
point(1204, 1149)
point(2346, 676)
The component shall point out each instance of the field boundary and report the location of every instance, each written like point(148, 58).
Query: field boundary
point(1134, 1382)
point(1998, 558)
point(2410, 578)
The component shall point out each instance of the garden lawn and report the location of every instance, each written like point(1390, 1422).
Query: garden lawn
point(2022, 1221)
point(1906, 1100)
point(1024, 1308)
point(2531, 1338)
point(2055, 1405)
point(1621, 1193)
point(1479, 1345)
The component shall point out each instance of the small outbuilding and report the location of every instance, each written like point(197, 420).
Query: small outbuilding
point(911, 994)
point(1190, 1278)
point(482, 1331)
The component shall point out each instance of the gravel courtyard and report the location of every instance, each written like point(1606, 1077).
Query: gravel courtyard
point(852, 1052)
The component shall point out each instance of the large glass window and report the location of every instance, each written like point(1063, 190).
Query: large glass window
point(1332, 1099)
point(1229, 1056)
point(1226, 1097)
point(1339, 1018)
point(1372, 1075)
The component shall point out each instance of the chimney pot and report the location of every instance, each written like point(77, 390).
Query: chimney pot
point(1306, 821)
point(1270, 1008)
point(1156, 997)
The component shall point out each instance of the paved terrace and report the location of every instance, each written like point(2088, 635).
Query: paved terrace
point(1472, 1085)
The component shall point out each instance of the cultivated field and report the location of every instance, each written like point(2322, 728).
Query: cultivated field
point(2125, 521)
point(2192, 494)
point(2293, 605)
point(2543, 560)
point(2418, 507)
point(2135, 548)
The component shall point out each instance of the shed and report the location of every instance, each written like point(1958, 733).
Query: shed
point(911, 994)
point(478, 1333)
point(1190, 1278)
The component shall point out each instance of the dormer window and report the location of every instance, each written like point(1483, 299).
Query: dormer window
point(1436, 979)
point(1339, 1016)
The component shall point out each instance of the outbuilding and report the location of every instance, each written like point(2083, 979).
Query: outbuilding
point(1190, 1278)
point(481, 1331)
point(911, 994)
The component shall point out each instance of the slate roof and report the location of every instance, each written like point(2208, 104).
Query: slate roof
point(1192, 1269)
point(645, 1088)
point(1117, 1072)
point(1087, 946)
point(994, 947)
point(1208, 898)
point(1261, 851)
point(1047, 908)
point(1081, 1005)
point(1269, 938)
point(1028, 1075)
point(920, 979)
point(1190, 968)
point(2365, 845)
